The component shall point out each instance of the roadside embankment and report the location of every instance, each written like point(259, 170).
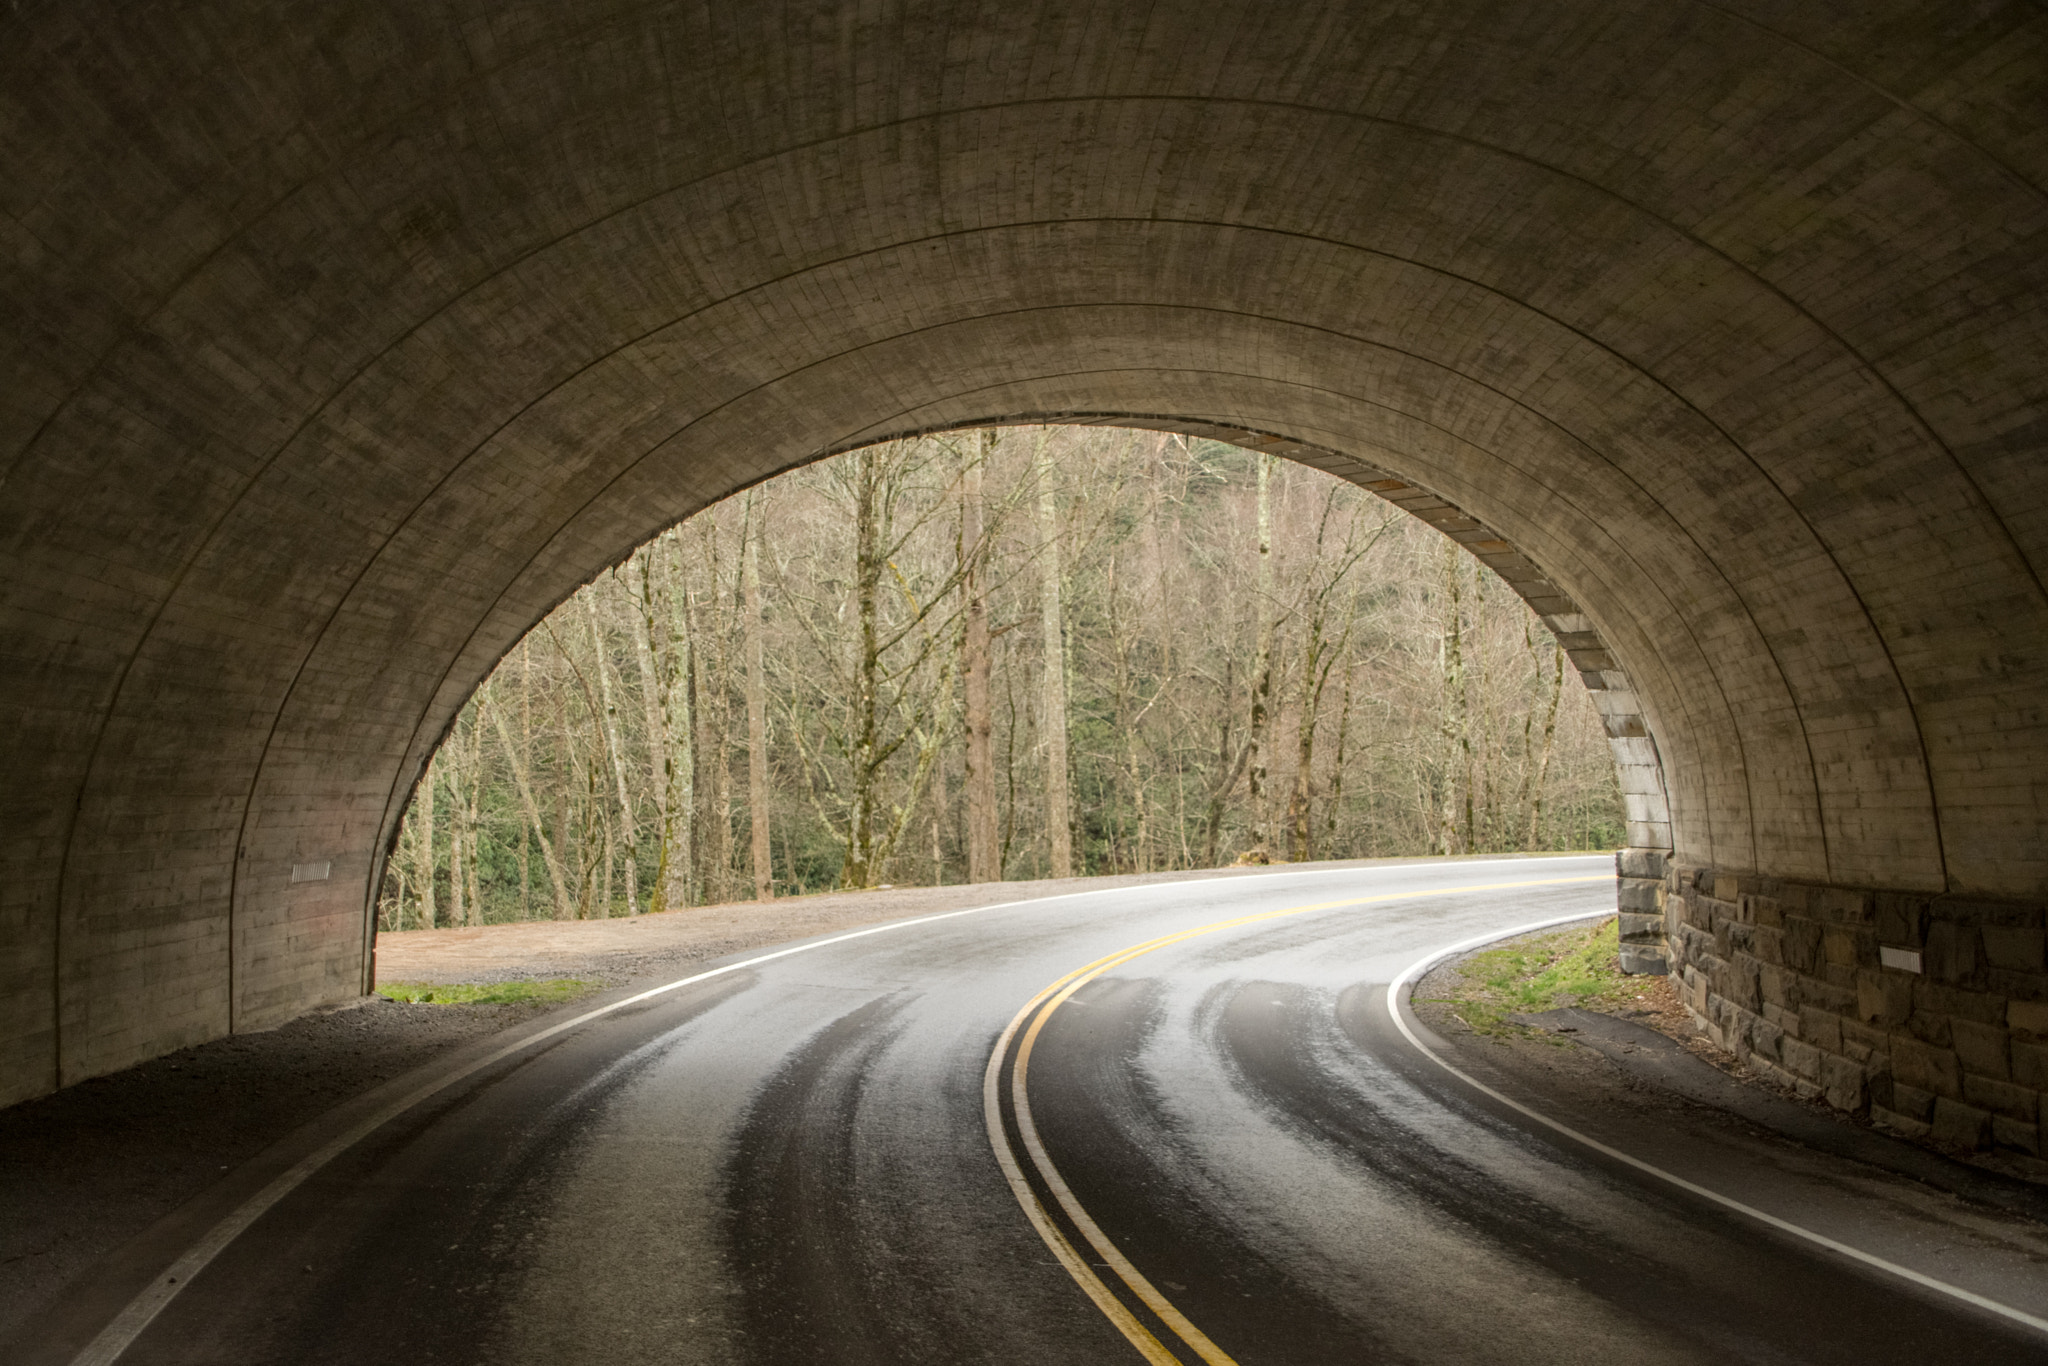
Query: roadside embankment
point(1551, 1009)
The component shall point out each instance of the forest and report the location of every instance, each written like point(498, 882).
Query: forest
point(1003, 654)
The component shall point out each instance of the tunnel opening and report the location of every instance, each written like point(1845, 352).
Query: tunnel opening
point(1226, 654)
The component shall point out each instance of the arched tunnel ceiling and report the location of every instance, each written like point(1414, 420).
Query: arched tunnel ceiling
point(345, 342)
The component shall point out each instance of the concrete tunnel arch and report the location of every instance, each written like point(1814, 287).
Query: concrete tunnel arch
point(343, 347)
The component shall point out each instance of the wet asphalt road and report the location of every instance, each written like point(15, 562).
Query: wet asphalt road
point(791, 1164)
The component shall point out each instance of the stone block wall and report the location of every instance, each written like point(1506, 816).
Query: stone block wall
point(1928, 1013)
point(1639, 898)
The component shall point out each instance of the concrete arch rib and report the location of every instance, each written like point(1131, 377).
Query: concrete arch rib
point(1732, 320)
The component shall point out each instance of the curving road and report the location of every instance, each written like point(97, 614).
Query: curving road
point(1227, 1151)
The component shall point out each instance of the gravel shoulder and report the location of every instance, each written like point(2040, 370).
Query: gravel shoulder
point(85, 1171)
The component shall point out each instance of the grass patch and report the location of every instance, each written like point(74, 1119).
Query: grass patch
point(1576, 966)
point(485, 993)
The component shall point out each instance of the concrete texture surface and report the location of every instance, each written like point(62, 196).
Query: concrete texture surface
point(341, 345)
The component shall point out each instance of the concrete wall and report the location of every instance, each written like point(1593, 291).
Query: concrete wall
point(341, 343)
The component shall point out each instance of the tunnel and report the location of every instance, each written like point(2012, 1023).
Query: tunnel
point(344, 342)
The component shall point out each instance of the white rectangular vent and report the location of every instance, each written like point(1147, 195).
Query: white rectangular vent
point(1905, 960)
point(312, 872)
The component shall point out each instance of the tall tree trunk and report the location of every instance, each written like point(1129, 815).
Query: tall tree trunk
point(565, 804)
point(679, 724)
point(938, 824)
point(872, 831)
point(1053, 689)
point(522, 779)
point(1009, 773)
point(1482, 835)
point(1256, 736)
point(429, 912)
point(391, 909)
point(1141, 837)
point(526, 747)
point(472, 822)
point(942, 797)
point(1228, 770)
point(460, 850)
point(1535, 826)
point(655, 682)
point(931, 768)
point(711, 679)
point(1333, 806)
point(1319, 654)
point(708, 874)
point(1301, 838)
point(596, 833)
point(1457, 742)
point(757, 709)
point(458, 915)
point(858, 869)
point(984, 861)
point(617, 754)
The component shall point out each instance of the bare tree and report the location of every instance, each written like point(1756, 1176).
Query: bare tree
point(1330, 570)
point(423, 844)
point(1534, 772)
point(1198, 627)
point(1262, 668)
point(984, 863)
point(1455, 727)
point(616, 753)
point(515, 757)
point(757, 709)
point(654, 662)
point(1052, 705)
point(886, 680)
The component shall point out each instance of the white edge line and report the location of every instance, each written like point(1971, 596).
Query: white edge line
point(1396, 999)
point(115, 1338)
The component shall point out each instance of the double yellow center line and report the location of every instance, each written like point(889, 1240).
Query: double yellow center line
point(1030, 1022)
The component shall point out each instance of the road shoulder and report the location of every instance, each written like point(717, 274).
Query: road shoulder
point(1635, 1050)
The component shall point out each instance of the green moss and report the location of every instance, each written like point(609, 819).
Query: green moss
point(1578, 966)
point(485, 993)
